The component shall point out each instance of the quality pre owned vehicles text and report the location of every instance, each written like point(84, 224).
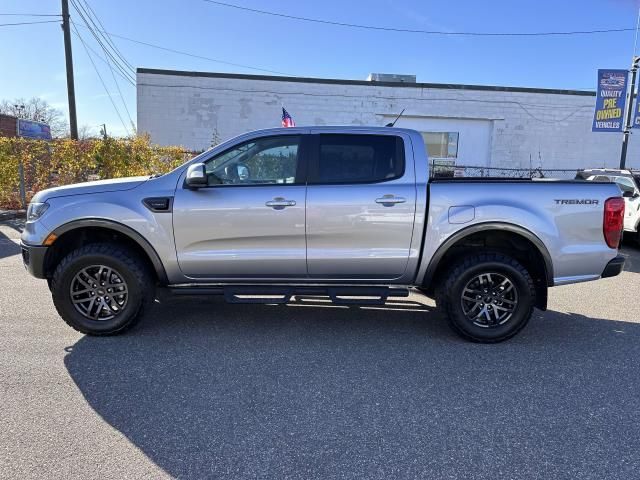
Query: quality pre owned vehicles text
point(344, 212)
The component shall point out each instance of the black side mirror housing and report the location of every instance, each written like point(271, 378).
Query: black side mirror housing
point(629, 194)
point(196, 176)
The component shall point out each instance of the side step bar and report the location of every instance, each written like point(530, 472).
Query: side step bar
point(279, 294)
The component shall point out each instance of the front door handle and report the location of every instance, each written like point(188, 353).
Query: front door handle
point(390, 200)
point(279, 203)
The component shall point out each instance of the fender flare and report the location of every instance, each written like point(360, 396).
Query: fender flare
point(480, 227)
point(129, 232)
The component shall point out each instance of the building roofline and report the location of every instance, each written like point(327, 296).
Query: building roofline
point(336, 81)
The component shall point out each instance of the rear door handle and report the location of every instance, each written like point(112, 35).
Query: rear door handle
point(390, 200)
point(279, 203)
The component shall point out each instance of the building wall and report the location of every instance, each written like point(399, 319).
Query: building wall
point(498, 127)
point(8, 126)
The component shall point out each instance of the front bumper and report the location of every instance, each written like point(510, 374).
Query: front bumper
point(33, 259)
point(614, 267)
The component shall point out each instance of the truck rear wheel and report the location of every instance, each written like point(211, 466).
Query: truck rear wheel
point(101, 289)
point(488, 298)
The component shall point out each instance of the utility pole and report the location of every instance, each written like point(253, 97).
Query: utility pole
point(71, 91)
point(103, 131)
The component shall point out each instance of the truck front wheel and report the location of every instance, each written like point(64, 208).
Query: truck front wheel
point(488, 297)
point(101, 289)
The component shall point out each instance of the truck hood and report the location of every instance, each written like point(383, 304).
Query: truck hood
point(100, 186)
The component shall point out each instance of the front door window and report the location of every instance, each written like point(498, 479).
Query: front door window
point(265, 161)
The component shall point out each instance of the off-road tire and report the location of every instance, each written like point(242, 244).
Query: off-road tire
point(139, 283)
point(463, 271)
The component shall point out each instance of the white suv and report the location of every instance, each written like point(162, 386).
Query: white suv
point(629, 184)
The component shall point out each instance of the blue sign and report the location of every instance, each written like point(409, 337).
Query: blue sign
point(610, 101)
point(31, 129)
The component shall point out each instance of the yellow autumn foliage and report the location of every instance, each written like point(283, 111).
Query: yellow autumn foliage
point(60, 162)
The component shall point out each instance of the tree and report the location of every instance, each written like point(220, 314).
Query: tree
point(38, 110)
point(215, 138)
point(85, 132)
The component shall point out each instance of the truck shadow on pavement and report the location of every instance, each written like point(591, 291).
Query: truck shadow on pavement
point(206, 389)
point(8, 247)
point(631, 253)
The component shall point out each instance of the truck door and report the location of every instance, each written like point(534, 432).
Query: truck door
point(361, 201)
point(250, 219)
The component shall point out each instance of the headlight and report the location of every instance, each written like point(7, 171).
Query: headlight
point(36, 210)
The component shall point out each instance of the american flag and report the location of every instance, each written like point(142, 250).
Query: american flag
point(287, 121)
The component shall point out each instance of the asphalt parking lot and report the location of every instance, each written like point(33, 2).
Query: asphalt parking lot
point(202, 389)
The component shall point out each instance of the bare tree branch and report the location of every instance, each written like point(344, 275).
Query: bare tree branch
point(38, 110)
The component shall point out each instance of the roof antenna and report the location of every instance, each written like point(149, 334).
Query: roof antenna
point(397, 118)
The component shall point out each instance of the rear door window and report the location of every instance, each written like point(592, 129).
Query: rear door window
point(343, 158)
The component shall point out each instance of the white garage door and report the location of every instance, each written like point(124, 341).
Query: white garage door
point(463, 141)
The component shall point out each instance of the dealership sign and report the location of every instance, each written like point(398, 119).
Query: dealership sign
point(31, 129)
point(636, 115)
point(610, 101)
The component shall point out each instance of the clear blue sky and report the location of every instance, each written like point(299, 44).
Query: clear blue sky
point(32, 56)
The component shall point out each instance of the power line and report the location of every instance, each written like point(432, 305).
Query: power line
point(108, 37)
point(179, 52)
point(116, 51)
point(97, 55)
point(28, 23)
point(426, 32)
point(124, 104)
point(92, 15)
point(104, 85)
point(30, 15)
point(122, 68)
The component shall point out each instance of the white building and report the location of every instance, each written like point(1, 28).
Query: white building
point(469, 124)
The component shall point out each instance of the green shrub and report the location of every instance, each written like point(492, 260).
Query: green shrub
point(60, 162)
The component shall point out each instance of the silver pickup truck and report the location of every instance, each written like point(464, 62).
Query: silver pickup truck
point(343, 212)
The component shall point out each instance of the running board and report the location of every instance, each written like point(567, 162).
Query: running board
point(279, 294)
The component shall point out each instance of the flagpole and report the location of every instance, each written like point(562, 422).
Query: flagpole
point(635, 40)
point(634, 72)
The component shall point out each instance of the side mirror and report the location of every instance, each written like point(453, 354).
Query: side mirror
point(630, 194)
point(196, 176)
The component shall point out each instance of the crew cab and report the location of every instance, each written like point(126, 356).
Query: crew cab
point(343, 212)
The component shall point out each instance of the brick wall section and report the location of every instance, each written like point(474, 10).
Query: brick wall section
point(8, 126)
point(553, 127)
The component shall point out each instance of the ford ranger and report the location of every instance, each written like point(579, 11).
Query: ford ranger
point(343, 212)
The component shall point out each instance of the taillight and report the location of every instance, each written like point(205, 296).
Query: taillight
point(613, 221)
